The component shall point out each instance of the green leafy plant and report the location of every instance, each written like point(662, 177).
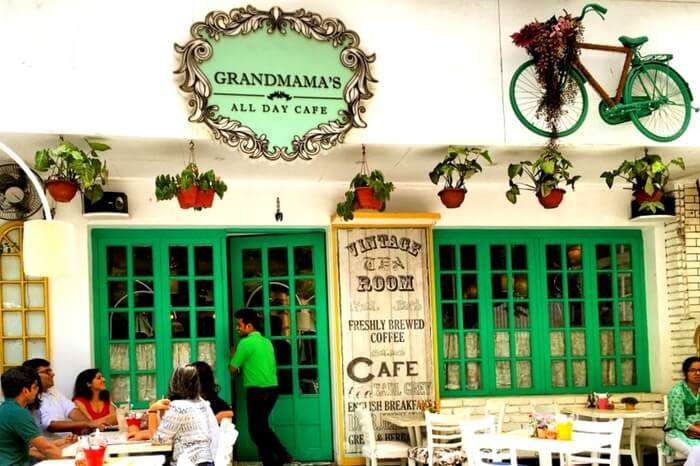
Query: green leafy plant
point(648, 174)
point(375, 180)
point(459, 165)
point(167, 186)
point(546, 173)
point(68, 162)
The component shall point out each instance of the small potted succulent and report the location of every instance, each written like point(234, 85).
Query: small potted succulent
point(367, 191)
point(459, 165)
point(630, 402)
point(70, 169)
point(546, 173)
point(191, 188)
point(648, 176)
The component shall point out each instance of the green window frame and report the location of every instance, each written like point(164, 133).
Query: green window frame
point(540, 312)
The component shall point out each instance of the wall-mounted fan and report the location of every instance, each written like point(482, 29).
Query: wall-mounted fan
point(18, 198)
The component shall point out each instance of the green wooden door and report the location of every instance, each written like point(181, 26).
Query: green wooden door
point(283, 277)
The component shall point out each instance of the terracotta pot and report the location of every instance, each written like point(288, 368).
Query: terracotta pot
point(641, 196)
point(62, 191)
point(364, 199)
point(204, 198)
point(187, 198)
point(629, 406)
point(553, 200)
point(452, 197)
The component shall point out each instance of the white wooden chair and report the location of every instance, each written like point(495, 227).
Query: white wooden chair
point(496, 408)
point(444, 440)
point(654, 439)
point(374, 450)
point(480, 451)
point(609, 432)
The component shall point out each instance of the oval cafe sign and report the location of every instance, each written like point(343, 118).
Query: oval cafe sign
point(275, 84)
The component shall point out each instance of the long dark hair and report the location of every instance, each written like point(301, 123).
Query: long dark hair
point(82, 390)
point(207, 383)
point(184, 384)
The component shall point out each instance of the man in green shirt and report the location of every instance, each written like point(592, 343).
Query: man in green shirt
point(17, 427)
point(255, 357)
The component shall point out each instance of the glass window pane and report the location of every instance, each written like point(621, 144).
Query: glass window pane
point(558, 374)
point(499, 286)
point(180, 324)
point(450, 345)
point(448, 287)
point(11, 297)
point(605, 285)
point(34, 296)
point(627, 342)
point(580, 373)
point(143, 325)
point(143, 293)
point(285, 382)
point(280, 323)
point(206, 324)
point(578, 344)
point(605, 314)
point(253, 294)
point(556, 314)
point(119, 357)
point(283, 350)
point(206, 351)
point(11, 324)
point(473, 375)
point(12, 352)
point(120, 388)
point(308, 381)
point(116, 261)
point(306, 322)
point(573, 256)
point(10, 267)
point(553, 252)
point(624, 256)
point(146, 356)
point(575, 285)
point(36, 348)
point(500, 315)
point(178, 261)
point(522, 315)
point(469, 287)
point(603, 256)
point(306, 351)
point(471, 345)
point(625, 313)
point(118, 326)
point(502, 344)
point(143, 260)
point(519, 257)
point(447, 257)
point(36, 323)
point(279, 293)
point(452, 376)
point(524, 369)
point(205, 292)
point(116, 294)
point(468, 257)
point(624, 285)
point(503, 374)
point(607, 343)
point(470, 315)
point(449, 317)
point(608, 372)
point(522, 344)
point(556, 344)
point(203, 260)
point(278, 262)
point(146, 387)
point(252, 263)
point(520, 285)
point(179, 293)
point(629, 375)
point(576, 314)
point(305, 292)
point(498, 257)
point(181, 354)
point(554, 288)
point(303, 260)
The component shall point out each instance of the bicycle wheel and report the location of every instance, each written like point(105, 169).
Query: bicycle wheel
point(525, 97)
point(669, 98)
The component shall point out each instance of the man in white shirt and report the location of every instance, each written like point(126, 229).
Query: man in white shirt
point(57, 415)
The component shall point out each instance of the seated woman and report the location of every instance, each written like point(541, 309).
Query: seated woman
point(189, 423)
point(683, 425)
point(91, 397)
point(210, 391)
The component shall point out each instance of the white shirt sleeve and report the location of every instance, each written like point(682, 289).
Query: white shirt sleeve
point(66, 405)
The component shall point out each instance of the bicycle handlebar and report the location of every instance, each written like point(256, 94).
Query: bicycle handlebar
point(594, 7)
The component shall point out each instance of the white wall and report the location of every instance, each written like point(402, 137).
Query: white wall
point(103, 67)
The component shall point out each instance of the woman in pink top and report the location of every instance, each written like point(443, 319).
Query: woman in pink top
point(92, 398)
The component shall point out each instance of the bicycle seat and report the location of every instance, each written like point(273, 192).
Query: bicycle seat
point(633, 42)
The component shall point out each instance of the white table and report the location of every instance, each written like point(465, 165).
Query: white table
point(619, 413)
point(545, 448)
point(411, 421)
point(154, 460)
point(118, 445)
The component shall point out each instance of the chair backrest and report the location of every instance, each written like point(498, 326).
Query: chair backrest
point(609, 435)
point(364, 417)
point(227, 439)
point(444, 432)
point(485, 449)
point(497, 409)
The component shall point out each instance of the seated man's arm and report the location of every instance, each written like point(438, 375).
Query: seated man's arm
point(60, 443)
point(45, 448)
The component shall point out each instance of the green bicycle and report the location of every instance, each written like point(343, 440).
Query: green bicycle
point(650, 93)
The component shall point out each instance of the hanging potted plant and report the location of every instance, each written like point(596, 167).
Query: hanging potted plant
point(459, 165)
point(71, 169)
point(190, 188)
point(648, 176)
point(366, 192)
point(546, 173)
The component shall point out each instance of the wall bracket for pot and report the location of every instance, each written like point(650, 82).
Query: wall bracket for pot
point(669, 212)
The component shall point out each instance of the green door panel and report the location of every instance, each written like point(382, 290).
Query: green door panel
point(284, 278)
